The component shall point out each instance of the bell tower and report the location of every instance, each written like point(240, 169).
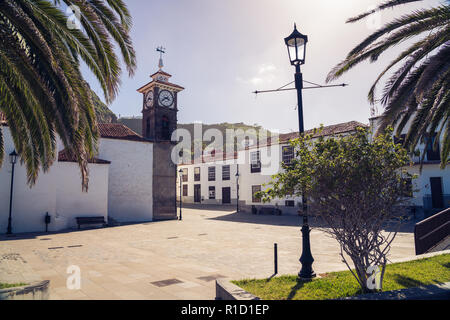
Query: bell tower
point(159, 121)
point(160, 107)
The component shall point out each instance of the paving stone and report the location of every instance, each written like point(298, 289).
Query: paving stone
point(205, 245)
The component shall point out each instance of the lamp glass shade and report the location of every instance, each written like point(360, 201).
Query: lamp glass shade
point(296, 45)
point(13, 157)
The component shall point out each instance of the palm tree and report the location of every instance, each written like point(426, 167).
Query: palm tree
point(419, 89)
point(42, 91)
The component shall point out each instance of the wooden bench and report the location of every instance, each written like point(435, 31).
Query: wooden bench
point(270, 211)
point(90, 220)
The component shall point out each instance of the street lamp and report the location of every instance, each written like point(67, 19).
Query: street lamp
point(237, 188)
point(13, 160)
point(296, 45)
point(181, 192)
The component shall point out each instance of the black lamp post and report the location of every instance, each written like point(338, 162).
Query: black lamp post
point(237, 188)
point(181, 192)
point(13, 160)
point(296, 45)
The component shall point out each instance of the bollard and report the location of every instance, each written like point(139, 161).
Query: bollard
point(275, 254)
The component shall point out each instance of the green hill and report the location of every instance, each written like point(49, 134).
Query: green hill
point(222, 127)
point(104, 115)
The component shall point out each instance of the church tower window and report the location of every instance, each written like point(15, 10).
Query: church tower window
point(165, 127)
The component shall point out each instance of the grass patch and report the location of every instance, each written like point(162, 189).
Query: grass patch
point(335, 285)
point(8, 285)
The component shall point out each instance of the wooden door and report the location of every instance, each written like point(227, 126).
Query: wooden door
point(437, 196)
point(226, 195)
point(197, 193)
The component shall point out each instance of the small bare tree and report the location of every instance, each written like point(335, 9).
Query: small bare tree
point(355, 186)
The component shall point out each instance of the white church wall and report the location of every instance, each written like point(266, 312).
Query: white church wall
point(130, 179)
point(72, 202)
point(57, 192)
point(29, 204)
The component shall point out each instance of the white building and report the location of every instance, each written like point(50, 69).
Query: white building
point(431, 190)
point(131, 180)
point(213, 179)
point(119, 188)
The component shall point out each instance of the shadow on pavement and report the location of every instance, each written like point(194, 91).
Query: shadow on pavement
point(297, 221)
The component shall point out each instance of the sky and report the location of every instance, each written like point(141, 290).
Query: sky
point(221, 51)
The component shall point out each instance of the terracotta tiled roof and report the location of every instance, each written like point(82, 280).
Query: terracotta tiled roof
point(118, 131)
point(107, 130)
point(2, 118)
point(66, 156)
point(284, 138)
point(218, 157)
point(327, 131)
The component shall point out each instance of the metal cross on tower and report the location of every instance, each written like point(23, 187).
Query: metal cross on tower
point(161, 50)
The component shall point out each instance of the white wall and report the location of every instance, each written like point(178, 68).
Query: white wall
point(130, 179)
point(205, 184)
point(71, 202)
point(421, 185)
point(57, 192)
point(271, 165)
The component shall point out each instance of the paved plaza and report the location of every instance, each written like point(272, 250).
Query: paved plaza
point(171, 259)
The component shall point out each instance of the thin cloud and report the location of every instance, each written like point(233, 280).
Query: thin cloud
point(265, 75)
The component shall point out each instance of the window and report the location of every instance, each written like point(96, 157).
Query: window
point(226, 173)
point(255, 162)
point(290, 203)
point(185, 175)
point(197, 174)
point(212, 193)
point(165, 128)
point(212, 174)
point(147, 128)
point(255, 189)
point(185, 190)
point(288, 155)
point(431, 153)
point(408, 192)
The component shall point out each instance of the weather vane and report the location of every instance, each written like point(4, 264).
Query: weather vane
point(161, 50)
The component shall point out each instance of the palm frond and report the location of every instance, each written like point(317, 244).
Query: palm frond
point(42, 91)
point(417, 92)
point(383, 6)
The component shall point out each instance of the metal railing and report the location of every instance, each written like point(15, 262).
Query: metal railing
point(429, 232)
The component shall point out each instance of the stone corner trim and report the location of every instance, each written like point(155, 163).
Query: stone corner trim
point(225, 290)
point(34, 291)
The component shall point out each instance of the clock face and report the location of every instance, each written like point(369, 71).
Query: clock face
point(149, 99)
point(165, 98)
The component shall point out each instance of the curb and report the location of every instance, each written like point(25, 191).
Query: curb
point(225, 290)
point(34, 291)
